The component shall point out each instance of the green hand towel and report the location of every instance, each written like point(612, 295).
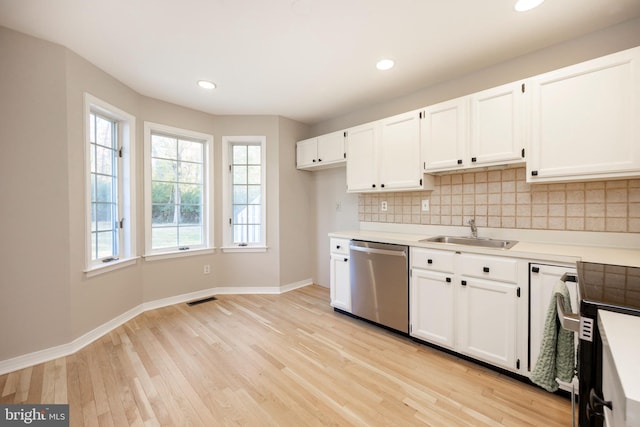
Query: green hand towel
point(557, 352)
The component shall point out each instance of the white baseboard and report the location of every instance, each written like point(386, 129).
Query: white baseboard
point(42, 356)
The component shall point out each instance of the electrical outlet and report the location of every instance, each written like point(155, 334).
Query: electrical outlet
point(383, 206)
point(425, 205)
point(207, 269)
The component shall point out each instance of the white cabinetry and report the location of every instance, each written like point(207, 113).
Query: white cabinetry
point(586, 120)
point(432, 309)
point(362, 166)
point(385, 155)
point(542, 280)
point(444, 135)
point(488, 307)
point(497, 125)
point(339, 270)
point(482, 129)
point(321, 152)
point(399, 152)
point(468, 303)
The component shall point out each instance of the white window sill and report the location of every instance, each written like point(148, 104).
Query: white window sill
point(96, 270)
point(244, 249)
point(178, 254)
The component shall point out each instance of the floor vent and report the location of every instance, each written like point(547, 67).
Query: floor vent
point(201, 301)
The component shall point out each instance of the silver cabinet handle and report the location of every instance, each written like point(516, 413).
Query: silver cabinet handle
point(569, 321)
point(378, 251)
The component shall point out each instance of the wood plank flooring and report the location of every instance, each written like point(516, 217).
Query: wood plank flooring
point(274, 360)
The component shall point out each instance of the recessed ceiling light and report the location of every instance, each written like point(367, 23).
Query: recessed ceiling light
point(385, 64)
point(205, 84)
point(524, 5)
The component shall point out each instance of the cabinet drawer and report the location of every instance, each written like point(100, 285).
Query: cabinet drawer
point(488, 267)
point(339, 246)
point(432, 259)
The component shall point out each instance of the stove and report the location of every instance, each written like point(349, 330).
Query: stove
point(601, 287)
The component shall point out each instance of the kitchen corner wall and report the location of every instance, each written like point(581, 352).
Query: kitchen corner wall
point(503, 199)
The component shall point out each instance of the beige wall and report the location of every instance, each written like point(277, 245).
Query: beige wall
point(46, 300)
point(609, 40)
point(335, 209)
point(296, 215)
point(99, 299)
point(35, 303)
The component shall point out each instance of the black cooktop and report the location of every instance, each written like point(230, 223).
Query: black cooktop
point(611, 287)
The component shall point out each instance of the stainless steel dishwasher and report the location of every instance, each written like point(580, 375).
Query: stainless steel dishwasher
point(380, 283)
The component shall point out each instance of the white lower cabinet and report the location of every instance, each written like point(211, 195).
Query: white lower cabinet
point(542, 280)
point(340, 276)
point(487, 313)
point(472, 307)
point(432, 307)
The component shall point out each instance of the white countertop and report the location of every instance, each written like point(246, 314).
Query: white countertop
point(619, 331)
point(564, 253)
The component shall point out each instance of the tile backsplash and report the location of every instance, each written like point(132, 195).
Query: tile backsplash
point(503, 199)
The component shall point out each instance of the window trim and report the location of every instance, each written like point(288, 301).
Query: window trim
point(227, 142)
point(208, 168)
point(126, 125)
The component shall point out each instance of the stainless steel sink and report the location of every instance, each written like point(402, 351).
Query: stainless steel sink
point(472, 241)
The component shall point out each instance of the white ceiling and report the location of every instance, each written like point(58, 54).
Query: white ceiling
point(308, 60)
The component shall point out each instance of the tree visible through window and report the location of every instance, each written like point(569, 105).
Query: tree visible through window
point(105, 215)
point(177, 192)
point(109, 178)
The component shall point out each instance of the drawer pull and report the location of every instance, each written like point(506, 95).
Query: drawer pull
point(485, 269)
point(463, 283)
point(337, 246)
point(448, 279)
point(429, 261)
point(346, 259)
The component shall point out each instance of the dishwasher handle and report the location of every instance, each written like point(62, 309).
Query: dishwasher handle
point(402, 253)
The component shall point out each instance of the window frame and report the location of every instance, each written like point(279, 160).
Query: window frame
point(207, 246)
point(227, 143)
point(125, 138)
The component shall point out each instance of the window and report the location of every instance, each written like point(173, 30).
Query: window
point(177, 191)
point(245, 192)
point(109, 185)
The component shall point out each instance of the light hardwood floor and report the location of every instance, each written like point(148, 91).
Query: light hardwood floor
point(276, 360)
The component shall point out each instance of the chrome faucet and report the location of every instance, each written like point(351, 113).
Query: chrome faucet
point(474, 228)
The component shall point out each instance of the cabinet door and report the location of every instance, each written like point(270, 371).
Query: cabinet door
point(306, 153)
point(497, 125)
point(340, 282)
point(586, 120)
point(542, 280)
point(362, 170)
point(444, 135)
point(487, 329)
point(399, 152)
point(432, 307)
point(331, 147)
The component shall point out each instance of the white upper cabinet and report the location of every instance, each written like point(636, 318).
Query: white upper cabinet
point(321, 152)
point(385, 155)
point(362, 168)
point(482, 129)
point(399, 151)
point(586, 120)
point(306, 153)
point(497, 125)
point(443, 135)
